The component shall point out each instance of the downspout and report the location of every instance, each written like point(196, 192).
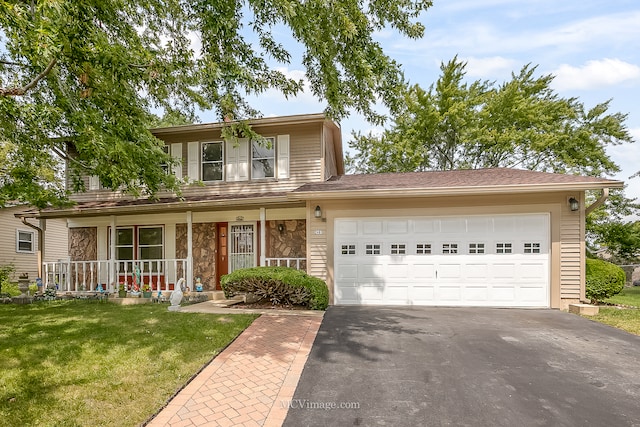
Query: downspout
point(603, 197)
point(40, 242)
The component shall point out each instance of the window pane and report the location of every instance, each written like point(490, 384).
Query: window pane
point(124, 253)
point(261, 151)
point(124, 236)
point(24, 246)
point(263, 168)
point(24, 236)
point(151, 252)
point(212, 152)
point(150, 236)
point(212, 171)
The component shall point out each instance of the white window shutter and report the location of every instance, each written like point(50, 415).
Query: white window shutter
point(282, 150)
point(243, 159)
point(193, 160)
point(231, 163)
point(94, 183)
point(176, 153)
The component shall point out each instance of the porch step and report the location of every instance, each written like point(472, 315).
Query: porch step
point(584, 309)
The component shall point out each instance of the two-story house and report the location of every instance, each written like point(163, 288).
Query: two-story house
point(492, 237)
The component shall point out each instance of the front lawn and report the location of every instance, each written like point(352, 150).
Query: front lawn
point(628, 296)
point(76, 363)
point(627, 319)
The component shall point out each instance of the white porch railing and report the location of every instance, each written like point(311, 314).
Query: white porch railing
point(297, 263)
point(77, 276)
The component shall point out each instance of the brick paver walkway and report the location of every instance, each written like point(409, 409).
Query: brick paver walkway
point(251, 381)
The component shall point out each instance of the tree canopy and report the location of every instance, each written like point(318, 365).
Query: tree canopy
point(93, 72)
point(520, 123)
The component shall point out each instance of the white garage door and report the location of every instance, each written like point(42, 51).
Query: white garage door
point(494, 261)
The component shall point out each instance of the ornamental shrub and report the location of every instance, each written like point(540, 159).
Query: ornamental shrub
point(280, 285)
point(604, 279)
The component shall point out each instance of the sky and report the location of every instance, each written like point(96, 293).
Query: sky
point(591, 46)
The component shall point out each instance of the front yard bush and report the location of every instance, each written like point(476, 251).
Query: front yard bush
point(604, 279)
point(280, 285)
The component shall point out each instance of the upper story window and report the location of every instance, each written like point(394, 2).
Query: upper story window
point(263, 158)
point(212, 161)
point(164, 166)
point(24, 241)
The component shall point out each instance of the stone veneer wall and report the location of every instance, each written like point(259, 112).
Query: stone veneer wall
point(83, 244)
point(204, 251)
point(290, 243)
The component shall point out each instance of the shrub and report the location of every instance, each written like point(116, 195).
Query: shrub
point(280, 285)
point(604, 279)
point(6, 287)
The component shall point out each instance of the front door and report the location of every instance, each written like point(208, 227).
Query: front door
point(242, 244)
point(222, 261)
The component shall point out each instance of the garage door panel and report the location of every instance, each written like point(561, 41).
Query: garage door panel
point(398, 227)
point(372, 228)
point(347, 272)
point(424, 271)
point(401, 261)
point(449, 271)
point(370, 272)
point(478, 295)
point(476, 271)
point(397, 271)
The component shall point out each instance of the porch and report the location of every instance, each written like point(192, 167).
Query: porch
point(106, 275)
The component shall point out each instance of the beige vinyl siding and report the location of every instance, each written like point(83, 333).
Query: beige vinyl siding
point(317, 244)
point(571, 255)
point(56, 242)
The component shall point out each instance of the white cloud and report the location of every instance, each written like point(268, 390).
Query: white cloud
point(595, 74)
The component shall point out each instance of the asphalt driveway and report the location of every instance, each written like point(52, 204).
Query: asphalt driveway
point(400, 366)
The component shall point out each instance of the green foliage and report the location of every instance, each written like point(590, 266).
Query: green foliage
point(6, 287)
point(604, 280)
point(280, 285)
point(520, 123)
point(608, 226)
point(90, 72)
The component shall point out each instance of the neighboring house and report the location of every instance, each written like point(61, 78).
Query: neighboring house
point(21, 245)
point(492, 237)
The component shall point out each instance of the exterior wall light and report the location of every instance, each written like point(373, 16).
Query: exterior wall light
point(317, 212)
point(281, 228)
point(574, 204)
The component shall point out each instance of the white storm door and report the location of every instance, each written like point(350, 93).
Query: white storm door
point(242, 244)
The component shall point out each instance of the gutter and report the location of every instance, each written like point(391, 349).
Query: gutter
point(445, 191)
point(603, 197)
point(40, 242)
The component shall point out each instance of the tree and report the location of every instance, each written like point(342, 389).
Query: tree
point(520, 123)
point(608, 226)
point(91, 72)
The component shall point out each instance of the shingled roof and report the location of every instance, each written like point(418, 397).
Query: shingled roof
point(471, 179)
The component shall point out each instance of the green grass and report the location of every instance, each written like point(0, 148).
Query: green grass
point(628, 296)
point(625, 319)
point(76, 363)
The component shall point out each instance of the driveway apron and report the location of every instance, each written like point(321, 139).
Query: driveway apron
point(467, 367)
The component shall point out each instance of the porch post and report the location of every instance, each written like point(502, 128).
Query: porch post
point(263, 235)
point(113, 285)
point(42, 245)
point(189, 277)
